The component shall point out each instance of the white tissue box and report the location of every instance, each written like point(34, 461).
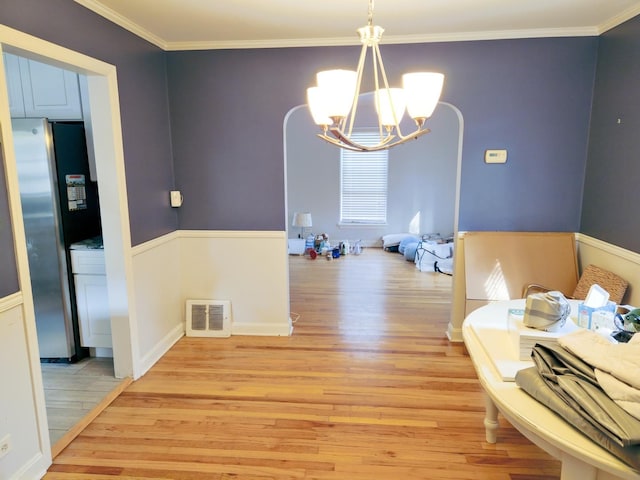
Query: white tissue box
point(597, 318)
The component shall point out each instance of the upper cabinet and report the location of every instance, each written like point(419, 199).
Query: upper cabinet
point(40, 90)
point(14, 85)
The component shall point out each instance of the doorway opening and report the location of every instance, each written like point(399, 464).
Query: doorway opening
point(423, 180)
point(102, 96)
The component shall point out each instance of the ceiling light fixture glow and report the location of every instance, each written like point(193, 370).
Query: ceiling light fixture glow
point(333, 103)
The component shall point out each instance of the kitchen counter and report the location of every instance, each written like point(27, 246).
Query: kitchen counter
point(94, 243)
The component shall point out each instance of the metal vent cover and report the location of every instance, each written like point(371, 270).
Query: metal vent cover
point(208, 318)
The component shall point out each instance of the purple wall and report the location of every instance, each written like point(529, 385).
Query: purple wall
point(143, 104)
point(8, 273)
point(610, 206)
point(532, 97)
point(143, 99)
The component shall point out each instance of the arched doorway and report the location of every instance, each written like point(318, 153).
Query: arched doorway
point(424, 179)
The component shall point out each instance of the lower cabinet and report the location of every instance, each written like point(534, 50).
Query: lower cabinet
point(93, 310)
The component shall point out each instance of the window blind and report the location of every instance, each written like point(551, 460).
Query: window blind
point(363, 185)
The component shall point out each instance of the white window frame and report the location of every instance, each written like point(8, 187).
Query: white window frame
point(364, 182)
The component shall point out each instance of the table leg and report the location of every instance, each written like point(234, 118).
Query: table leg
point(490, 419)
point(573, 468)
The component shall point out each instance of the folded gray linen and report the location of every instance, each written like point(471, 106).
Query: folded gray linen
point(575, 382)
point(532, 382)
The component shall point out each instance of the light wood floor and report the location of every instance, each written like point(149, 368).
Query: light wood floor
point(75, 394)
point(367, 388)
point(72, 390)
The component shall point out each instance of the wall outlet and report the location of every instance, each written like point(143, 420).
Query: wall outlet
point(5, 445)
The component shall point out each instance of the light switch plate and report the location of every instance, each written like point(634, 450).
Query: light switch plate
point(176, 198)
point(495, 156)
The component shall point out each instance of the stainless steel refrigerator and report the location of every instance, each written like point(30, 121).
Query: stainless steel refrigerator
point(59, 207)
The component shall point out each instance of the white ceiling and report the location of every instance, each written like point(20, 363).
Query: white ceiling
point(211, 24)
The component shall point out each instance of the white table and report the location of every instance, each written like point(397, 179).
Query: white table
point(487, 340)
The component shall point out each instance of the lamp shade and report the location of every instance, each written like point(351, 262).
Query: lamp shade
point(422, 90)
point(318, 106)
point(302, 220)
point(338, 89)
point(390, 104)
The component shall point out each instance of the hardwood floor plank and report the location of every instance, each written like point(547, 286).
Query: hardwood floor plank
point(367, 387)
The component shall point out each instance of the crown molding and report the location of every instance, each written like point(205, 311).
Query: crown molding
point(618, 19)
point(123, 22)
point(388, 39)
point(111, 15)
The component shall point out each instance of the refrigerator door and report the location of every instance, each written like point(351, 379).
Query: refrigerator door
point(45, 246)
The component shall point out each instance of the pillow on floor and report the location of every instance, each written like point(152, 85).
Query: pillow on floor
point(410, 251)
point(406, 241)
point(394, 239)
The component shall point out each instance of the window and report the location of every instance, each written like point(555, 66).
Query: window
point(363, 183)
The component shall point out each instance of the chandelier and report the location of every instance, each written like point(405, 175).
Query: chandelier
point(334, 101)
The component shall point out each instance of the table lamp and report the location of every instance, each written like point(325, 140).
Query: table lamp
point(302, 220)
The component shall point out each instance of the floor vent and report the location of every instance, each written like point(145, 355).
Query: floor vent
point(208, 318)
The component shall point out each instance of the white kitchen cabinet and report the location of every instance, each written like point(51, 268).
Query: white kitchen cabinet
point(93, 311)
point(92, 297)
point(14, 85)
point(40, 90)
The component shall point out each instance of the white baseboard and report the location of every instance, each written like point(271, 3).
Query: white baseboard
point(148, 360)
point(261, 329)
point(454, 334)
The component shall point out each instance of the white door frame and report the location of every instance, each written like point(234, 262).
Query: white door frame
point(105, 116)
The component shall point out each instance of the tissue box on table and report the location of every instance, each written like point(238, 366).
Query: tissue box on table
point(597, 318)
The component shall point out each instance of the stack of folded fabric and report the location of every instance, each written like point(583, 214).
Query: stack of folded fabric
point(593, 384)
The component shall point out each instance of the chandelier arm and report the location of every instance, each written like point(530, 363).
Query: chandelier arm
point(412, 136)
point(356, 96)
point(337, 143)
point(376, 49)
point(376, 84)
point(343, 142)
point(339, 134)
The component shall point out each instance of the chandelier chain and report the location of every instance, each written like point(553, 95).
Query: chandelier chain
point(370, 16)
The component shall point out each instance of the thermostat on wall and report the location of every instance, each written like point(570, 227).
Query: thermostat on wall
point(495, 156)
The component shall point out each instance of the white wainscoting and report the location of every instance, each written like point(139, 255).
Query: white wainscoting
point(22, 398)
point(250, 269)
point(157, 299)
point(615, 259)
